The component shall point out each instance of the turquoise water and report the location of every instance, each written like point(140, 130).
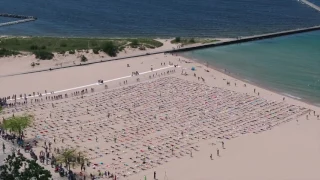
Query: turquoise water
point(289, 65)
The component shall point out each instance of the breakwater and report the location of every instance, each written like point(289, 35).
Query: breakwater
point(23, 18)
point(16, 22)
point(311, 5)
point(247, 39)
point(17, 16)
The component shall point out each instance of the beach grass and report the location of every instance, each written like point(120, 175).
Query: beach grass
point(188, 41)
point(5, 52)
point(55, 44)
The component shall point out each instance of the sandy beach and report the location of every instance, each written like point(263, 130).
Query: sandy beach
point(22, 63)
point(169, 119)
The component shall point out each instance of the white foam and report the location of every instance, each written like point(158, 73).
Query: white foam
point(292, 96)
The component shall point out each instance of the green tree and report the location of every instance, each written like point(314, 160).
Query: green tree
point(18, 123)
point(110, 48)
point(69, 156)
point(21, 168)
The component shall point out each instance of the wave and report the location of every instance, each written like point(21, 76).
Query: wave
point(292, 96)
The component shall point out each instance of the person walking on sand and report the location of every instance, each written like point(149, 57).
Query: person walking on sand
point(218, 153)
point(222, 144)
point(211, 156)
point(3, 148)
point(154, 175)
point(172, 149)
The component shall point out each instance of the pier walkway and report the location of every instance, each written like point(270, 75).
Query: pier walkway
point(247, 39)
point(311, 5)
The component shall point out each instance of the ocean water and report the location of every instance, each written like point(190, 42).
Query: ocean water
point(289, 65)
point(3, 20)
point(165, 18)
point(316, 2)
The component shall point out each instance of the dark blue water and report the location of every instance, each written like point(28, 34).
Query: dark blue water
point(289, 65)
point(162, 18)
point(316, 2)
point(3, 19)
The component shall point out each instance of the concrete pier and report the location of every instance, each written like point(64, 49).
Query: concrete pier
point(311, 5)
point(247, 39)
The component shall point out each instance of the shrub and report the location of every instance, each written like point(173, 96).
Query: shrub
point(43, 55)
point(192, 40)
point(72, 52)
point(83, 58)
point(63, 44)
point(134, 43)
point(177, 39)
point(109, 48)
point(17, 42)
point(142, 48)
point(95, 51)
point(5, 52)
point(94, 43)
point(121, 48)
point(149, 46)
point(43, 47)
point(34, 47)
point(62, 52)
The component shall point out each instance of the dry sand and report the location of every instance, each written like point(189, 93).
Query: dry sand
point(22, 63)
point(288, 150)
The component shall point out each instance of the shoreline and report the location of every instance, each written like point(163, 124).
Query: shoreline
point(237, 77)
